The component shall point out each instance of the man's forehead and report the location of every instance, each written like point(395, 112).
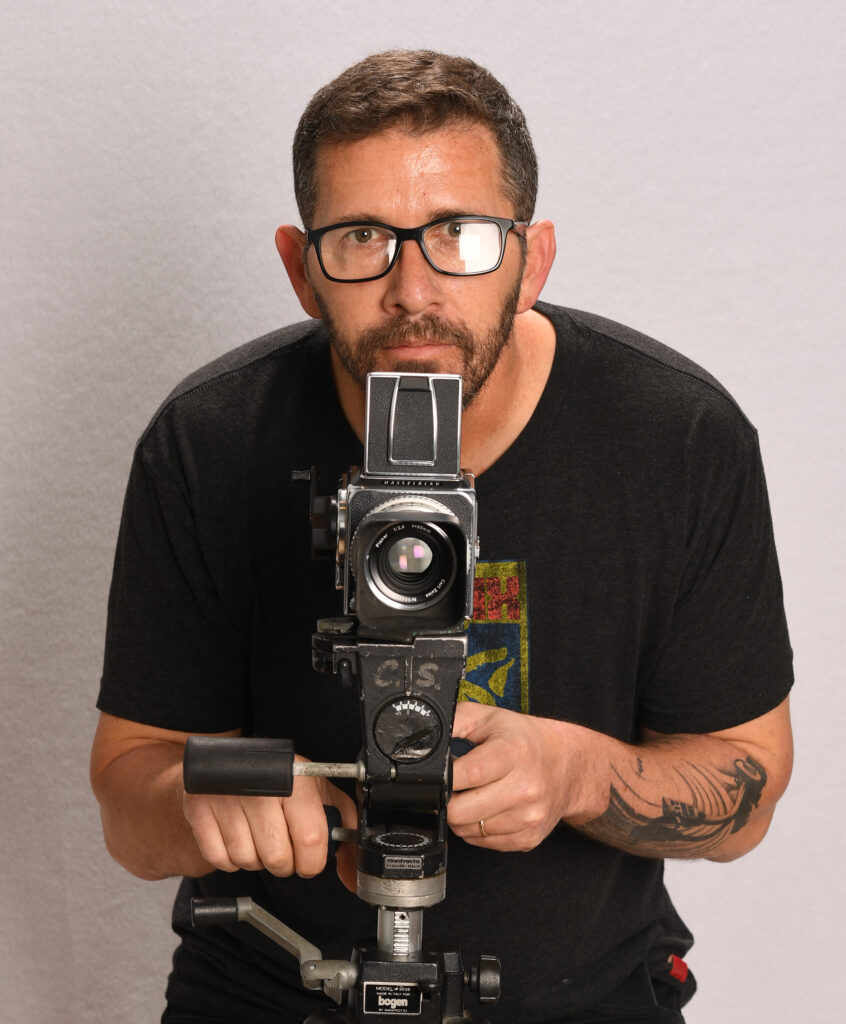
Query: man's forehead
point(396, 165)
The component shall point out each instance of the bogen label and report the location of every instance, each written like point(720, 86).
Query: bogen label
point(384, 997)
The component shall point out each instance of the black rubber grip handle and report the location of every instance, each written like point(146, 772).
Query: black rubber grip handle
point(238, 766)
point(208, 910)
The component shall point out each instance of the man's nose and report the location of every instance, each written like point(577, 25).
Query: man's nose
point(413, 286)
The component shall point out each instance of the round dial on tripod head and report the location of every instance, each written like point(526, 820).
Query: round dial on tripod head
point(403, 842)
point(407, 729)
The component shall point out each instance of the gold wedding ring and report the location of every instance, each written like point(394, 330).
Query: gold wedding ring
point(482, 831)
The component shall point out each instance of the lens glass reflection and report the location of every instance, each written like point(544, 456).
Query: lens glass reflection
point(410, 555)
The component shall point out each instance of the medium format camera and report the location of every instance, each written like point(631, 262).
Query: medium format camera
point(403, 526)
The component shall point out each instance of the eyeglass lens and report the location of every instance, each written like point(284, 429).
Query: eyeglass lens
point(454, 246)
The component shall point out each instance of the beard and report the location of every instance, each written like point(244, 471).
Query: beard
point(479, 353)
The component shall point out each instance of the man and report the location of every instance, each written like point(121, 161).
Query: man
point(629, 664)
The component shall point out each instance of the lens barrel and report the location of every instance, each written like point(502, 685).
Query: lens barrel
point(412, 563)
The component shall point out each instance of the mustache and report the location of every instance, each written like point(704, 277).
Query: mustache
point(427, 326)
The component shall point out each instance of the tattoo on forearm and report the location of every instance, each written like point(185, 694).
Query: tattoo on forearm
point(719, 803)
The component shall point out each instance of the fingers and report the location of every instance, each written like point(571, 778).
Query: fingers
point(306, 822)
point(237, 833)
point(514, 810)
point(521, 828)
point(203, 817)
point(484, 790)
point(482, 765)
point(471, 720)
point(285, 836)
point(510, 780)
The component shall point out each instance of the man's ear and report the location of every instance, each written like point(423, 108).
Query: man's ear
point(291, 245)
point(540, 242)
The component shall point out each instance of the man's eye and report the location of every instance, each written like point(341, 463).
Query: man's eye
point(363, 235)
point(453, 228)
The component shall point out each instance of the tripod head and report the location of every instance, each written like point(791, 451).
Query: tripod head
point(403, 533)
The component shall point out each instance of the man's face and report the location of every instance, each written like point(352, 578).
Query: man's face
point(415, 319)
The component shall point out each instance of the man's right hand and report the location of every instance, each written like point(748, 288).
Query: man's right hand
point(282, 835)
point(156, 830)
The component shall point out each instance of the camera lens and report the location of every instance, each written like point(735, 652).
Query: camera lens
point(412, 563)
point(409, 557)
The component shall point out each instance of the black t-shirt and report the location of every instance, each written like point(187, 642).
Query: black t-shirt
point(628, 578)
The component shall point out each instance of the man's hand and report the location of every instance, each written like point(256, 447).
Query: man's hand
point(156, 830)
point(522, 777)
point(282, 835)
point(686, 795)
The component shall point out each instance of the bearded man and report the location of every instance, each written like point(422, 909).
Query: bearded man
point(626, 694)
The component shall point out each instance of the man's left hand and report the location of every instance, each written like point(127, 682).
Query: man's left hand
point(525, 774)
point(520, 779)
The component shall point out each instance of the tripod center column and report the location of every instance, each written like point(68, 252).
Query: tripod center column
point(399, 933)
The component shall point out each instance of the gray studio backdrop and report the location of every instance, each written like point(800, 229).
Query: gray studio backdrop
point(692, 158)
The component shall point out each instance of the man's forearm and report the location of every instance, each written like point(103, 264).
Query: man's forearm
point(680, 795)
point(683, 796)
point(145, 829)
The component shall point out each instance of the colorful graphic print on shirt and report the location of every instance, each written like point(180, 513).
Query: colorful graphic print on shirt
point(497, 669)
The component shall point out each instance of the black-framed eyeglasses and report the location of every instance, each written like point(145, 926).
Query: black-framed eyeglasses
point(462, 246)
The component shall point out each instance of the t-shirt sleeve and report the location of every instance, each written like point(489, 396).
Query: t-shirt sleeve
point(727, 657)
point(174, 654)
